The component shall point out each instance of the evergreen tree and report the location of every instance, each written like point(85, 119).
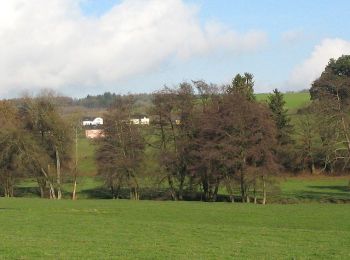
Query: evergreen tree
point(276, 104)
point(244, 85)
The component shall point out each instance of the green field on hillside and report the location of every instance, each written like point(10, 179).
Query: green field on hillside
point(107, 229)
point(294, 100)
point(86, 160)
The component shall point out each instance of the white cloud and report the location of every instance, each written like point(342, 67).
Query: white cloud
point(52, 44)
point(308, 71)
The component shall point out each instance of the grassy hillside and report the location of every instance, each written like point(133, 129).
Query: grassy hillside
point(294, 101)
point(86, 162)
point(107, 229)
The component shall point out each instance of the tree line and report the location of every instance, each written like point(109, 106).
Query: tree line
point(203, 139)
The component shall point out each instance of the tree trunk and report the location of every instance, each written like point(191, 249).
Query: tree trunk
point(243, 195)
point(42, 192)
point(247, 197)
point(229, 189)
point(181, 187)
point(172, 190)
point(58, 171)
point(42, 185)
point(74, 197)
point(255, 198)
point(52, 190)
point(215, 195)
point(112, 192)
point(264, 190)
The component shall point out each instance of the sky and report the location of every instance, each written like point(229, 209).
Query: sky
point(80, 47)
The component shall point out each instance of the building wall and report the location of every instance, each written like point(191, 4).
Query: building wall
point(94, 133)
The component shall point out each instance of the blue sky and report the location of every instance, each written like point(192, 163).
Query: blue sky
point(284, 43)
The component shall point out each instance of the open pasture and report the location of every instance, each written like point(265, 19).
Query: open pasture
point(106, 229)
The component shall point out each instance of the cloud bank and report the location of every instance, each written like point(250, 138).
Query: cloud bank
point(308, 71)
point(52, 44)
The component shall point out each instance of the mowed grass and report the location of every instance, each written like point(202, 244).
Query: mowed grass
point(106, 229)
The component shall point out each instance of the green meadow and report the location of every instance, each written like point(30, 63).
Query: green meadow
point(109, 229)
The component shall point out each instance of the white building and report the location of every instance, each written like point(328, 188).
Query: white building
point(139, 120)
point(89, 121)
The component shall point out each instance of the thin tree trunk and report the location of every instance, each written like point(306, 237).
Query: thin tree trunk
point(264, 190)
point(247, 197)
point(172, 190)
point(74, 196)
point(229, 189)
point(76, 166)
point(42, 192)
point(216, 190)
point(58, 171)
point(181, 185)
point(42, 185)
point(112, 192)
point(52, 190)
point(255, 198)
point(243, 195)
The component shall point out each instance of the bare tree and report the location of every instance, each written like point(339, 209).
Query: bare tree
point(121, 149)
point(173, 118)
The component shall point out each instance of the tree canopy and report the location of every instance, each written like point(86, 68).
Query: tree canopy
point(334, 81)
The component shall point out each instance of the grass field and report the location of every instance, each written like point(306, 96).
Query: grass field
point(106, 229)
point(293, 100)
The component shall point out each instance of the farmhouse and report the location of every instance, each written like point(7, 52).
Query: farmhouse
point(92, 121)
point(94, 133)
point(139, 120)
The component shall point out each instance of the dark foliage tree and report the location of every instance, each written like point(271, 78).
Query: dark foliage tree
point(285, 143)
point(244, 85)
point(53, 135)
point(10, 151)
point(276, 104)
point(334, 81)
point(19, 153)
point(331, 95)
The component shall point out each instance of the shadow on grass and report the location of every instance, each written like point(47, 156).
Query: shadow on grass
point(27, 192)
point(147, 194)
point(342, 196)
point(333, 187)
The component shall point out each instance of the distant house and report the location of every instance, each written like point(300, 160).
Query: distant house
point(94, 133)
point(139, 120)
point(92, 121)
